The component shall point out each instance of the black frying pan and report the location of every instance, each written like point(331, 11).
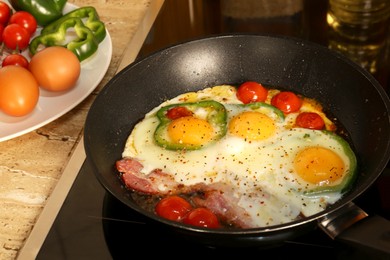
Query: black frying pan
point(346, 90)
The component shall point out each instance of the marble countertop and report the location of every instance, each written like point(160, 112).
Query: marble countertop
point(38, 168)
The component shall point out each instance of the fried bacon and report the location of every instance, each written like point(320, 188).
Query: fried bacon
point(218, 197)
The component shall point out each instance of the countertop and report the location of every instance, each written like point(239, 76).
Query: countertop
point(38, 168)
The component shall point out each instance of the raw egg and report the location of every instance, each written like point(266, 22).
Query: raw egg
point(56, 68)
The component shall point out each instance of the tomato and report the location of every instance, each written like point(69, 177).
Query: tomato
point(177, 112)
point(286, 101)
point(1, 32)
point(19, 91)
point(24, 19)
point(56, 68)
point(173, 208)
point(15, 59)
point(202, 217)
point(251, 91)
point(15, 37)
point(310, 120)
point(5, 13)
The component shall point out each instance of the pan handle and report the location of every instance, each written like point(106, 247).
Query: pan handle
point(353, 226)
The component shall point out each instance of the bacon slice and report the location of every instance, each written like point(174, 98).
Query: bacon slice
point(218, 197)
point(156, 182)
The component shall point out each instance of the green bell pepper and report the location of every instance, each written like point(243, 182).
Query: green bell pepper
point(92, 22)
point(44, 11)
point(261, 106)
point(216, 116)
point(350, 175)
point(84, 45)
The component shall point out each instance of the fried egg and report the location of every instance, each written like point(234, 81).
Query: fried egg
point(279, 172)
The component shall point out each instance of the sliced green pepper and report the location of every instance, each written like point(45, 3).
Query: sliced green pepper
point(349, 177)
point(216, 116)
point(261, 106)
point(83, 46)
point(93, 22)
point(44, 11)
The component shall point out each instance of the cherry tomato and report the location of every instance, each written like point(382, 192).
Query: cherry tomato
point(310, 120)
point(202, 217)
point(286, 101)
point(16, 37)
point(15, 59)
point(5, 13)
point(173, 208)
point(177, 112)
point(19, 91)
point(56, 68)
point(24, 19)
point(1, 32)
point(251, 91)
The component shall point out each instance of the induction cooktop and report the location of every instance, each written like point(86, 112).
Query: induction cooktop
point(92, 224)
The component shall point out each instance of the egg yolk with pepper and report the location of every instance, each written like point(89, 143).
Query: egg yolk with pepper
point(319, 165)
point(252, 126)
point(190, 130)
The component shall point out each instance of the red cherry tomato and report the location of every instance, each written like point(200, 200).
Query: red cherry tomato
point(5, 13)
point(177, 112)
point(173, 208)
point(251, 91)
point(1, 32)
point(24, 19)
point(310, 120)
point(286, 101)
point(15, 59)
point(202, 217)
point(16, 37)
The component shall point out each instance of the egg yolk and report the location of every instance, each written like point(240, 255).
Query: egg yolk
point(190, 130)
point(252, 126)
point(318, 165)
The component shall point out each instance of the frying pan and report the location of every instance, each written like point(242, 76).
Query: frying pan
point(347, 91)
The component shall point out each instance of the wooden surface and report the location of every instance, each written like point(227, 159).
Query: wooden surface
point(32, 165)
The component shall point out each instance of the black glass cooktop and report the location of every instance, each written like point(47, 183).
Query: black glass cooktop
point(94, 225)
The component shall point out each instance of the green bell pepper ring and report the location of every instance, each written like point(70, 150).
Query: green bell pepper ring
point(92, 22)
point(260, 106)
point(216, 116)
point(83, 46)
point(44, 11)
point(350, 175)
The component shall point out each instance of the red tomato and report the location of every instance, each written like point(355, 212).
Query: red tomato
point(251, 91)
point(15, 59)
point(24, 19)
point(19, 91)
point(310, 120)
point(202, 217)
point(16, 37)
point(56, 68)
point(286, 101)
point(173, 208)
point(177, 112)
point(5, 13)
point(1, 32)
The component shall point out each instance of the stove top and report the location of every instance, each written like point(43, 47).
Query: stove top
point(92, 224)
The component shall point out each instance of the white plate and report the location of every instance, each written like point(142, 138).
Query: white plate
point(53, 105)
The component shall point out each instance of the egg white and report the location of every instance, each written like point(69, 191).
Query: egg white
point(265, 180)
point(262, 172)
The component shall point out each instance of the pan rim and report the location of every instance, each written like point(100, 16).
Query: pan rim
point(274, 228)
